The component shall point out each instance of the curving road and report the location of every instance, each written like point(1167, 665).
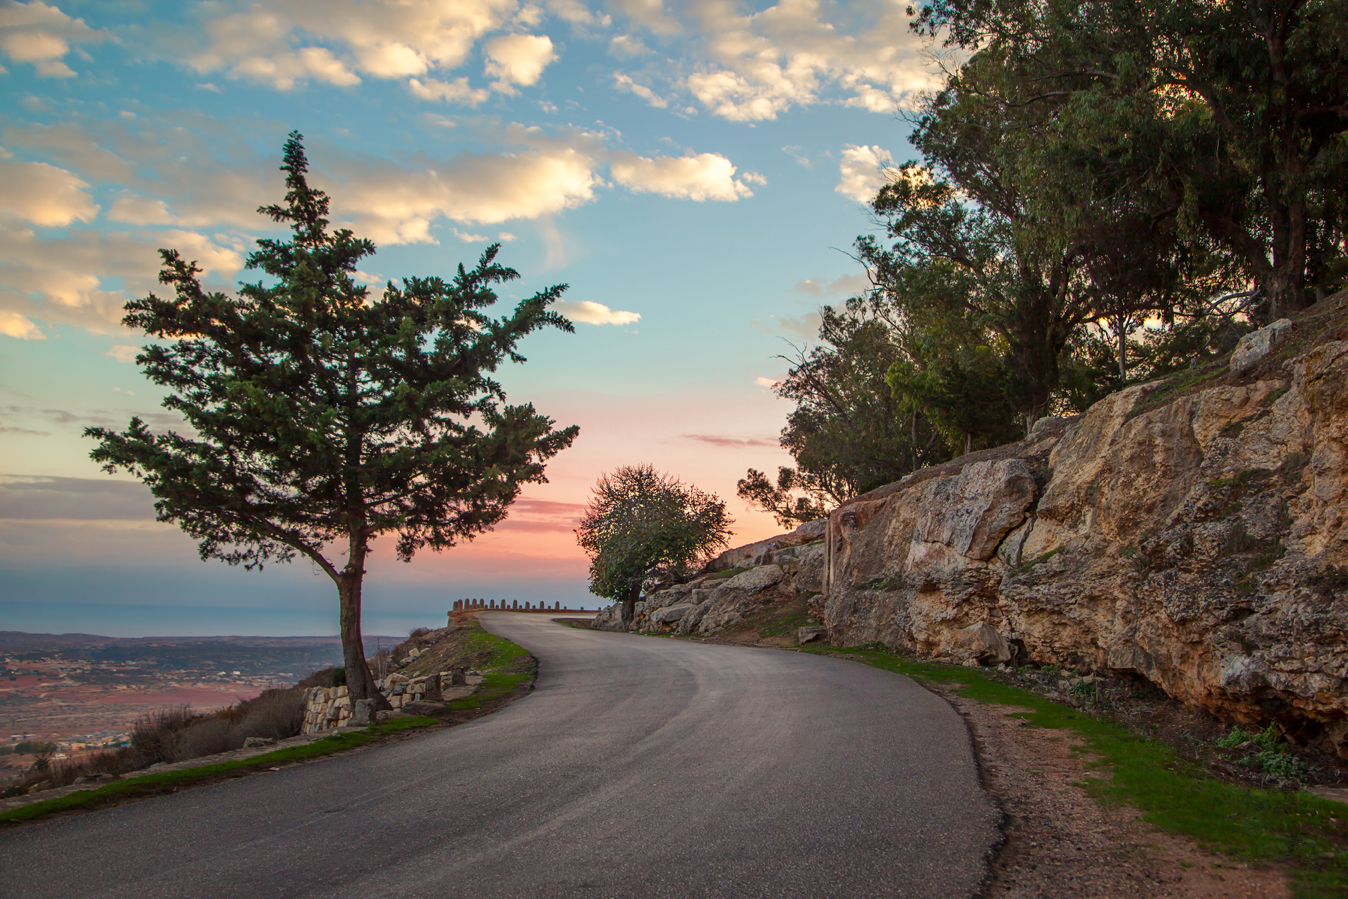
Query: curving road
point(640, 767)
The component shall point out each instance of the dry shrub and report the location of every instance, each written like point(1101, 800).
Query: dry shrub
point(208, 735)
point(276, 714)
point(154, 737)
point(178, 734)
point(324, 677)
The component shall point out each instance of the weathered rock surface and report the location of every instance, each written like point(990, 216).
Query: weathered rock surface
point(1199, 542)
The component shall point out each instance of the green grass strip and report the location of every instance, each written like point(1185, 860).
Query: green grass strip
point(1304, 831)
point(159, 780)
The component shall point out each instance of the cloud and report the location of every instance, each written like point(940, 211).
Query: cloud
point(805, 326)
point(518, 59)
point(628, 46)
point(717, 440)
point(591, 313)
point(863, 171)
point(285, 42)
point(393, 205)
point(847, 285)
point(575, 12)
point(41, 35)
point(456, 91)
point(123, 352)
point(649, 14)
point(748, 66)
point(12, 324)
point(767, 382)
point(625, 83)
point(704, 176)
point(85, 277)
point(89, 499)
point(45, 195)
point(542, 516)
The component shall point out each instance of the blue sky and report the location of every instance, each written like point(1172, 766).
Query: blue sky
point(695, 171)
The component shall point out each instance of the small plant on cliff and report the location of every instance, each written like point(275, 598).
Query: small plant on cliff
point(320, 418)
point(642, 526)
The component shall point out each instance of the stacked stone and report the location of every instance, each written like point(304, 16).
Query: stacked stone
point(326, 708)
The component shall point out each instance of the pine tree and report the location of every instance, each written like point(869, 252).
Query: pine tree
point(321, 418)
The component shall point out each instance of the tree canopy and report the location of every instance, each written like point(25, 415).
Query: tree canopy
point(642, 527)
point(1107, 191)
point(319, 417)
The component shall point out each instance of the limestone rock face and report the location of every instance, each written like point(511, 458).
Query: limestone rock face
point(1201, 543)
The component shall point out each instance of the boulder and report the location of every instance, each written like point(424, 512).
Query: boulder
point(1258, 344)
point(670, 614)
point(755, 579)
point(811, 635)
point(363, 713)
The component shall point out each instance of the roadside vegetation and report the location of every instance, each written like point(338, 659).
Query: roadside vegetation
point(177, 734)
point(1104, 194)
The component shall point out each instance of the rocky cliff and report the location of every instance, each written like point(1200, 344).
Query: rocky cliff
point(1193, 532)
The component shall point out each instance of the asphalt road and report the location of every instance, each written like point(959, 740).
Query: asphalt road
point(640, 767)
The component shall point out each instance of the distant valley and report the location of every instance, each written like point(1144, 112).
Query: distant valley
point(83, 691)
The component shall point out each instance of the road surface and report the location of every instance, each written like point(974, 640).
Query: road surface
point(639, 767)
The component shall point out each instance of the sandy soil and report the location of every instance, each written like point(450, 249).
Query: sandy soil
point(1060, 842)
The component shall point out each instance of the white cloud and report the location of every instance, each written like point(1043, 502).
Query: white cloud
point(456, 91)
point(41, 35)
point(287, 41)
point(705, 176)
point(767, 382)
point(505, 237)
point(394, 205)
point(575, 12)
point(625, 82)
point(12, 324)
point(592, 313)
point(135, 210)
point(627, 46)
point(863, 171)
point(123, 352)
point(45, 195)
point(85, 277)
point(748, 66)
point(847, 285)
point(467, 237)
point(805, 326)
point(649, 14)
point(518, 59)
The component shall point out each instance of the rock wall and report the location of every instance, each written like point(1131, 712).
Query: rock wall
point(1197, 538)
point(1201, 543)
point(329, 707)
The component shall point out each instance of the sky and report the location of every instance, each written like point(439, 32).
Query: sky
point(696, 172)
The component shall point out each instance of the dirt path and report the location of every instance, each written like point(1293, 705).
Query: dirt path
point(1060, 842)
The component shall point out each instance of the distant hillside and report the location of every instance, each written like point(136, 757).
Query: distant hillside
point(249, 655)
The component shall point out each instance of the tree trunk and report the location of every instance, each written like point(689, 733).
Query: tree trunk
point(359, 681)
point(629, 607)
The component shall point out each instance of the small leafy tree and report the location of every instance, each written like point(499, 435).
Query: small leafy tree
point(641, 526)
point(321, 418)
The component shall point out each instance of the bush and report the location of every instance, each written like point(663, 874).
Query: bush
point(178, 734)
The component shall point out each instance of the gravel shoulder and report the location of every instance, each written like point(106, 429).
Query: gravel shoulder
point(1059, 841)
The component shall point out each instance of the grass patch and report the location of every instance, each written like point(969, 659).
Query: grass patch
point(786, 625)
point(1303, 831)
point(168, 781)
